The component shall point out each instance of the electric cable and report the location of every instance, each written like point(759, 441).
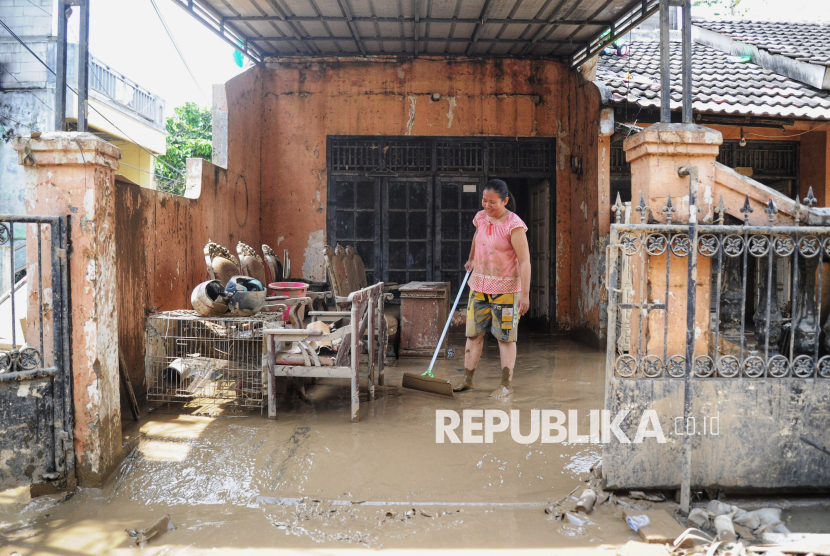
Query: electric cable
point(68, 86)
point(170, 35)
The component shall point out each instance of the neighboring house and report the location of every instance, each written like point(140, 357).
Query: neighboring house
point(774, 122)
point(27, 100)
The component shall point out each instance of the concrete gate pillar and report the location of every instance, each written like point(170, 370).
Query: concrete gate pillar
point(656, 154)
point(70, 173)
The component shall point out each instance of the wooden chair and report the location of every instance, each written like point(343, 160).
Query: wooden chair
point(347, 274)
point(363, 340)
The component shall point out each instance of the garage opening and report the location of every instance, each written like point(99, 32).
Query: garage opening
point(406, 204)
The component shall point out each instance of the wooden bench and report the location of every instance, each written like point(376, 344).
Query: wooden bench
point(363, 340)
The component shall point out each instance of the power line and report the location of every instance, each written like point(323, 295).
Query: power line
point(169, 34)
point(68, 86)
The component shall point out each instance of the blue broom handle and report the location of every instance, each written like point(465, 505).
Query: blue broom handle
point(449, 320)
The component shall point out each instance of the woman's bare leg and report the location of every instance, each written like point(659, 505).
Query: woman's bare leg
point(507, 355)
point(472, 353)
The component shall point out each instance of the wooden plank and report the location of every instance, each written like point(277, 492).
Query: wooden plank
point(319, 372)
point(128, 385)
point(662, 527)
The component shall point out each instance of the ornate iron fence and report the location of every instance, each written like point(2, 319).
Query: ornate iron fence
point(766, 285)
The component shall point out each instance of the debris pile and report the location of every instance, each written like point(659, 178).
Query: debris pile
point(726, 529)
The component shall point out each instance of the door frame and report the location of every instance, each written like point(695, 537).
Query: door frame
point(374, 165)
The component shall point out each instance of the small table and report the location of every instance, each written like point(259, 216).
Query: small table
point(425, 307)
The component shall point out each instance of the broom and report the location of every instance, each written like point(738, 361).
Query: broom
point(427, 382)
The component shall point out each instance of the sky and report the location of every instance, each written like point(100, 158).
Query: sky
point(129, 37)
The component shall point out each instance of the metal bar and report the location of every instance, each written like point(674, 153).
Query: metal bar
point(40, 290)
point(743, 291)
point(479, 25)
point(347, 11)
point(26, 219)
point(642, 314)
point(280, 17)
point(635, 14)
point(83, 67)
point(11, 271)
point(60, 75)
point(579, 28)
point(211, 21)
point(794, 290)
point(718, 286)
point(451, 32)
point(665, 64)
point(666, 309)
point(58, 316)
point(36, 374)
point(687, 62)
point(729, 229)
point(770, 263)
point(691, 301)
point(457, 20)
point(818, 309)
point(416, 26)
point(550, 20)
point(408, 40)
point(325, 24)
point(64, 303)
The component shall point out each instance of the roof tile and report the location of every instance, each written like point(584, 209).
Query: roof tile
point(719, 86)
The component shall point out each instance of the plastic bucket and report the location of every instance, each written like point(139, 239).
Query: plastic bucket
point(291, 290)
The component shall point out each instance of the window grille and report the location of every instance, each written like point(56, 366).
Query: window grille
point(355, 154)
point(401, 155)
point(460, 156)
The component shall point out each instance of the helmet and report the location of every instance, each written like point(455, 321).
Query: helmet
point(245, 295)
point(208, 299)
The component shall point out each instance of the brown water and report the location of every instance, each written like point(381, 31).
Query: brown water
point(311, 480)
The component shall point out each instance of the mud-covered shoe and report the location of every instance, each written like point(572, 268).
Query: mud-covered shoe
point(467, 383)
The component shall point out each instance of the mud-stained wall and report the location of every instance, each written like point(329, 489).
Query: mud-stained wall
point(589, 207)
point(160, 237)
point(305, 101)
point(727, 452)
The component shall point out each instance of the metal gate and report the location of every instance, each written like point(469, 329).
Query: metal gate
point(765, 316)
point(35, 373)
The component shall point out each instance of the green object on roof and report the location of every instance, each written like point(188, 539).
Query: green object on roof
point(237, 57)
point(739, 59)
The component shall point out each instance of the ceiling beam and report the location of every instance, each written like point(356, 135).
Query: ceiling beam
point(405, 19)
point(347, 12)
point(412, 39)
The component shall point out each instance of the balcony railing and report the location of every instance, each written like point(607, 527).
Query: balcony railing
point(123, 91)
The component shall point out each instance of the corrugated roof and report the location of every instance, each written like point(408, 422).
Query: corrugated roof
point(718, 85)
point(805, 42)
point(493, 28)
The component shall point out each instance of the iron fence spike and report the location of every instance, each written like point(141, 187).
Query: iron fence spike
point(810, 199)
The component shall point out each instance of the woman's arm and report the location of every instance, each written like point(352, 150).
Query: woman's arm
point(518, 238)
point(468, 266)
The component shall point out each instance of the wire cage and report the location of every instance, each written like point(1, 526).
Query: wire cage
point(219, 358)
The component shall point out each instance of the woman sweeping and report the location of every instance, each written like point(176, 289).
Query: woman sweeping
point(499, 284)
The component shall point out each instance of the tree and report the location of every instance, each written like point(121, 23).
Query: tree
point(189, 136)
point(724, 7)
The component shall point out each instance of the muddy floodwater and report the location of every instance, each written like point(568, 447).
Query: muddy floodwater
point(234, 482)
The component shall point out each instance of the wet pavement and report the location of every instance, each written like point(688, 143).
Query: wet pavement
point(236, 482)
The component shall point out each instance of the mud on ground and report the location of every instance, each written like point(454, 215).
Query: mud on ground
point(236, 482)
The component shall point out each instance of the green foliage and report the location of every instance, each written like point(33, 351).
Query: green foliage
point(724, 7)
point(189, 136)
